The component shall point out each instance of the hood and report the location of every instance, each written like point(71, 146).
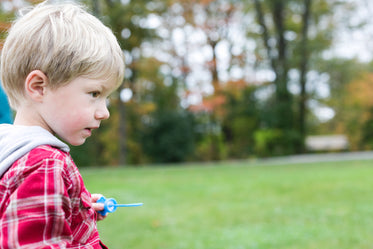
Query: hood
point(16, 141)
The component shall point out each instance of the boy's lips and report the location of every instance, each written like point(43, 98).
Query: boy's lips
point(89, 130)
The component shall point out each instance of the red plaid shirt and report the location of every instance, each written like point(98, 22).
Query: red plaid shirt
point(44, 203)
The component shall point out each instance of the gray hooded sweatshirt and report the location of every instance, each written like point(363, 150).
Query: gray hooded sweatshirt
point(16, 141)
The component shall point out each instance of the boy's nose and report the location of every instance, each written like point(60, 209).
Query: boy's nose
point(102, 113)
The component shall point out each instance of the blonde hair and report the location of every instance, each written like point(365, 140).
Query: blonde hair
point(64, 42)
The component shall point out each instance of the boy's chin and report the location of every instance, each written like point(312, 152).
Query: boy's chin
point(75, 142)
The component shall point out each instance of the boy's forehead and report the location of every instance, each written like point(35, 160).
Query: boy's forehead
point(104, 84)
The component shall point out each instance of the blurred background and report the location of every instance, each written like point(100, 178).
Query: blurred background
point(228, 79)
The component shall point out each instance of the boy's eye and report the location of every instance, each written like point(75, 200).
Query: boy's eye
point(95, 94)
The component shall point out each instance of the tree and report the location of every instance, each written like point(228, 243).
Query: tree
point(278, 57)
point(357, 113)
point(290, 30)
point(212, 22)
point(240, 118)
point(166, 130)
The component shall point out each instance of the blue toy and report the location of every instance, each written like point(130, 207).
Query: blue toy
point(110, 205)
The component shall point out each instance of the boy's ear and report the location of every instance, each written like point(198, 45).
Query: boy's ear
point(35, 84)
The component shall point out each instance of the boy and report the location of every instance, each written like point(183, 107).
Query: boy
point(58, 66)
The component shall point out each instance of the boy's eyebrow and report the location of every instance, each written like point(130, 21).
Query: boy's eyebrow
point(107, 87)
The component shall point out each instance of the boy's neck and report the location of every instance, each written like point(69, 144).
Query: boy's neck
point(26, 117)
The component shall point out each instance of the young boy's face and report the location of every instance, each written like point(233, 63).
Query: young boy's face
point(74, 110)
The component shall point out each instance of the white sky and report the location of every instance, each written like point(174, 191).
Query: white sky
point(357, 42)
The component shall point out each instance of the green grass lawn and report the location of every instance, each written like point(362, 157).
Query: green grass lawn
point(238, 206)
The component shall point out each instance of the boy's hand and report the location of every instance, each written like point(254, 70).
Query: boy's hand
point(97, 206)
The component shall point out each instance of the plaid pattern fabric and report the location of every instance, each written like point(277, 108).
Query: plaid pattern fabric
point(44, 203)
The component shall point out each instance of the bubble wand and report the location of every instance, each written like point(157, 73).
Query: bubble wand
point(110, 205)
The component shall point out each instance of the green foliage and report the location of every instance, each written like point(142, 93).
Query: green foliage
point(266, 141)
point(241, 118)
point(87, 154)
point(169, 136)
point(210, 147)
point(165, 132)
point(240, 140)
point(367, 132)
point(275, 142)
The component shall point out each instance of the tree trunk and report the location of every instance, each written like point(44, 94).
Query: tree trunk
point(303, 73)
point(279, 63)
point(122, 130)
point(284, 111)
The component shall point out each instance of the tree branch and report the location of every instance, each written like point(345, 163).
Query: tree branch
point(265, 34)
